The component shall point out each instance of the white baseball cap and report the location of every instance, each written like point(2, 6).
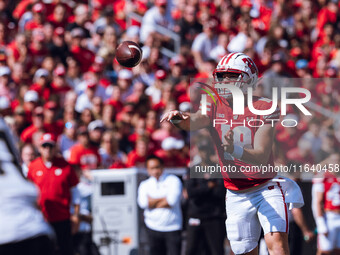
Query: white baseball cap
point(95, 124)
point(31, 96)
point(171, 143)
point(41, 72)
point(125, 74)
point(4, 70)
point(4, 103)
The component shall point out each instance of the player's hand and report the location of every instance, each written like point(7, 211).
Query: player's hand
point(229, 142)
point(174, 115)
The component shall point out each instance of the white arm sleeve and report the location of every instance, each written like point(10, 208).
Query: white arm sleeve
point(175, 191)
point(142, 198)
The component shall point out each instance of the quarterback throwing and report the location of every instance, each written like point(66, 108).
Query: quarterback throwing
point(253, 200)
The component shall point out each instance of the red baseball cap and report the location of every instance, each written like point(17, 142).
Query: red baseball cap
point(160, 74)
point(59, 71)
point(91, 84)
point(38, 7)
point(59, 31)
point(95, 68)
point(51, 105)
point(160, 2)
point(246, 3)
point(47, 138)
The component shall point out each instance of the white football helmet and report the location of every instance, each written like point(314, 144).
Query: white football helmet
point(236, 68)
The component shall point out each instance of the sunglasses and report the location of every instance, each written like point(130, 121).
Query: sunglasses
point(229, 75)
point(47, 145)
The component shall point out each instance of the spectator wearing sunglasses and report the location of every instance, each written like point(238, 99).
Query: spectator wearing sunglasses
point(56, 180)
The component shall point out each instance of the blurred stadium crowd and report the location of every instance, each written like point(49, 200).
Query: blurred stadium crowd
point(58, 73)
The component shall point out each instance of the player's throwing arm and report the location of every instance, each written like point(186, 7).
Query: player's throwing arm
point(186, 121)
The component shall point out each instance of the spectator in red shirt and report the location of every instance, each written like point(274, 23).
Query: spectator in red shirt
point(84, 56)
point(51, 125)
point(18, 51)
point(80, 18)
point(38, 20)
point(137, 157)
point(22, 7)
point(37, 47)
point(328, 14)
point(58, 17)
point(56, 179)
point(37, 125)
point(115, 99)
point(40, 85)
point(84, 153)
point(171, 152)
point(59, 85)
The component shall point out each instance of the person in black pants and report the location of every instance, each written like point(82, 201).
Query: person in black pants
point(206, 213)
point(41, 245)
point(160, 197)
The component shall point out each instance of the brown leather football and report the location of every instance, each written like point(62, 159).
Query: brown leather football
point(128, 54)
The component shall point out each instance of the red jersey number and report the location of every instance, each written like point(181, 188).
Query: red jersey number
point(333, 194)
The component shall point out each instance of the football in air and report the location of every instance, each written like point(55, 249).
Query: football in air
point(128, 54)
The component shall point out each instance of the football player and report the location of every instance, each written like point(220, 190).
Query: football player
point(253, 200)
point(23, 228)
point(326, 211)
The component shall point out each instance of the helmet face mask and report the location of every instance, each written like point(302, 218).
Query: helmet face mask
point(235, 69)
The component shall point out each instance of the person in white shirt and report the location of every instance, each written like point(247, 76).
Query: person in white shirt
point(85, 100)
point(204, 43)
point(157, 15)
point(160, 196)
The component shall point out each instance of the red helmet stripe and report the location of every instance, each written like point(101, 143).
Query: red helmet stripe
point(229, 58)
point(223, 60)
